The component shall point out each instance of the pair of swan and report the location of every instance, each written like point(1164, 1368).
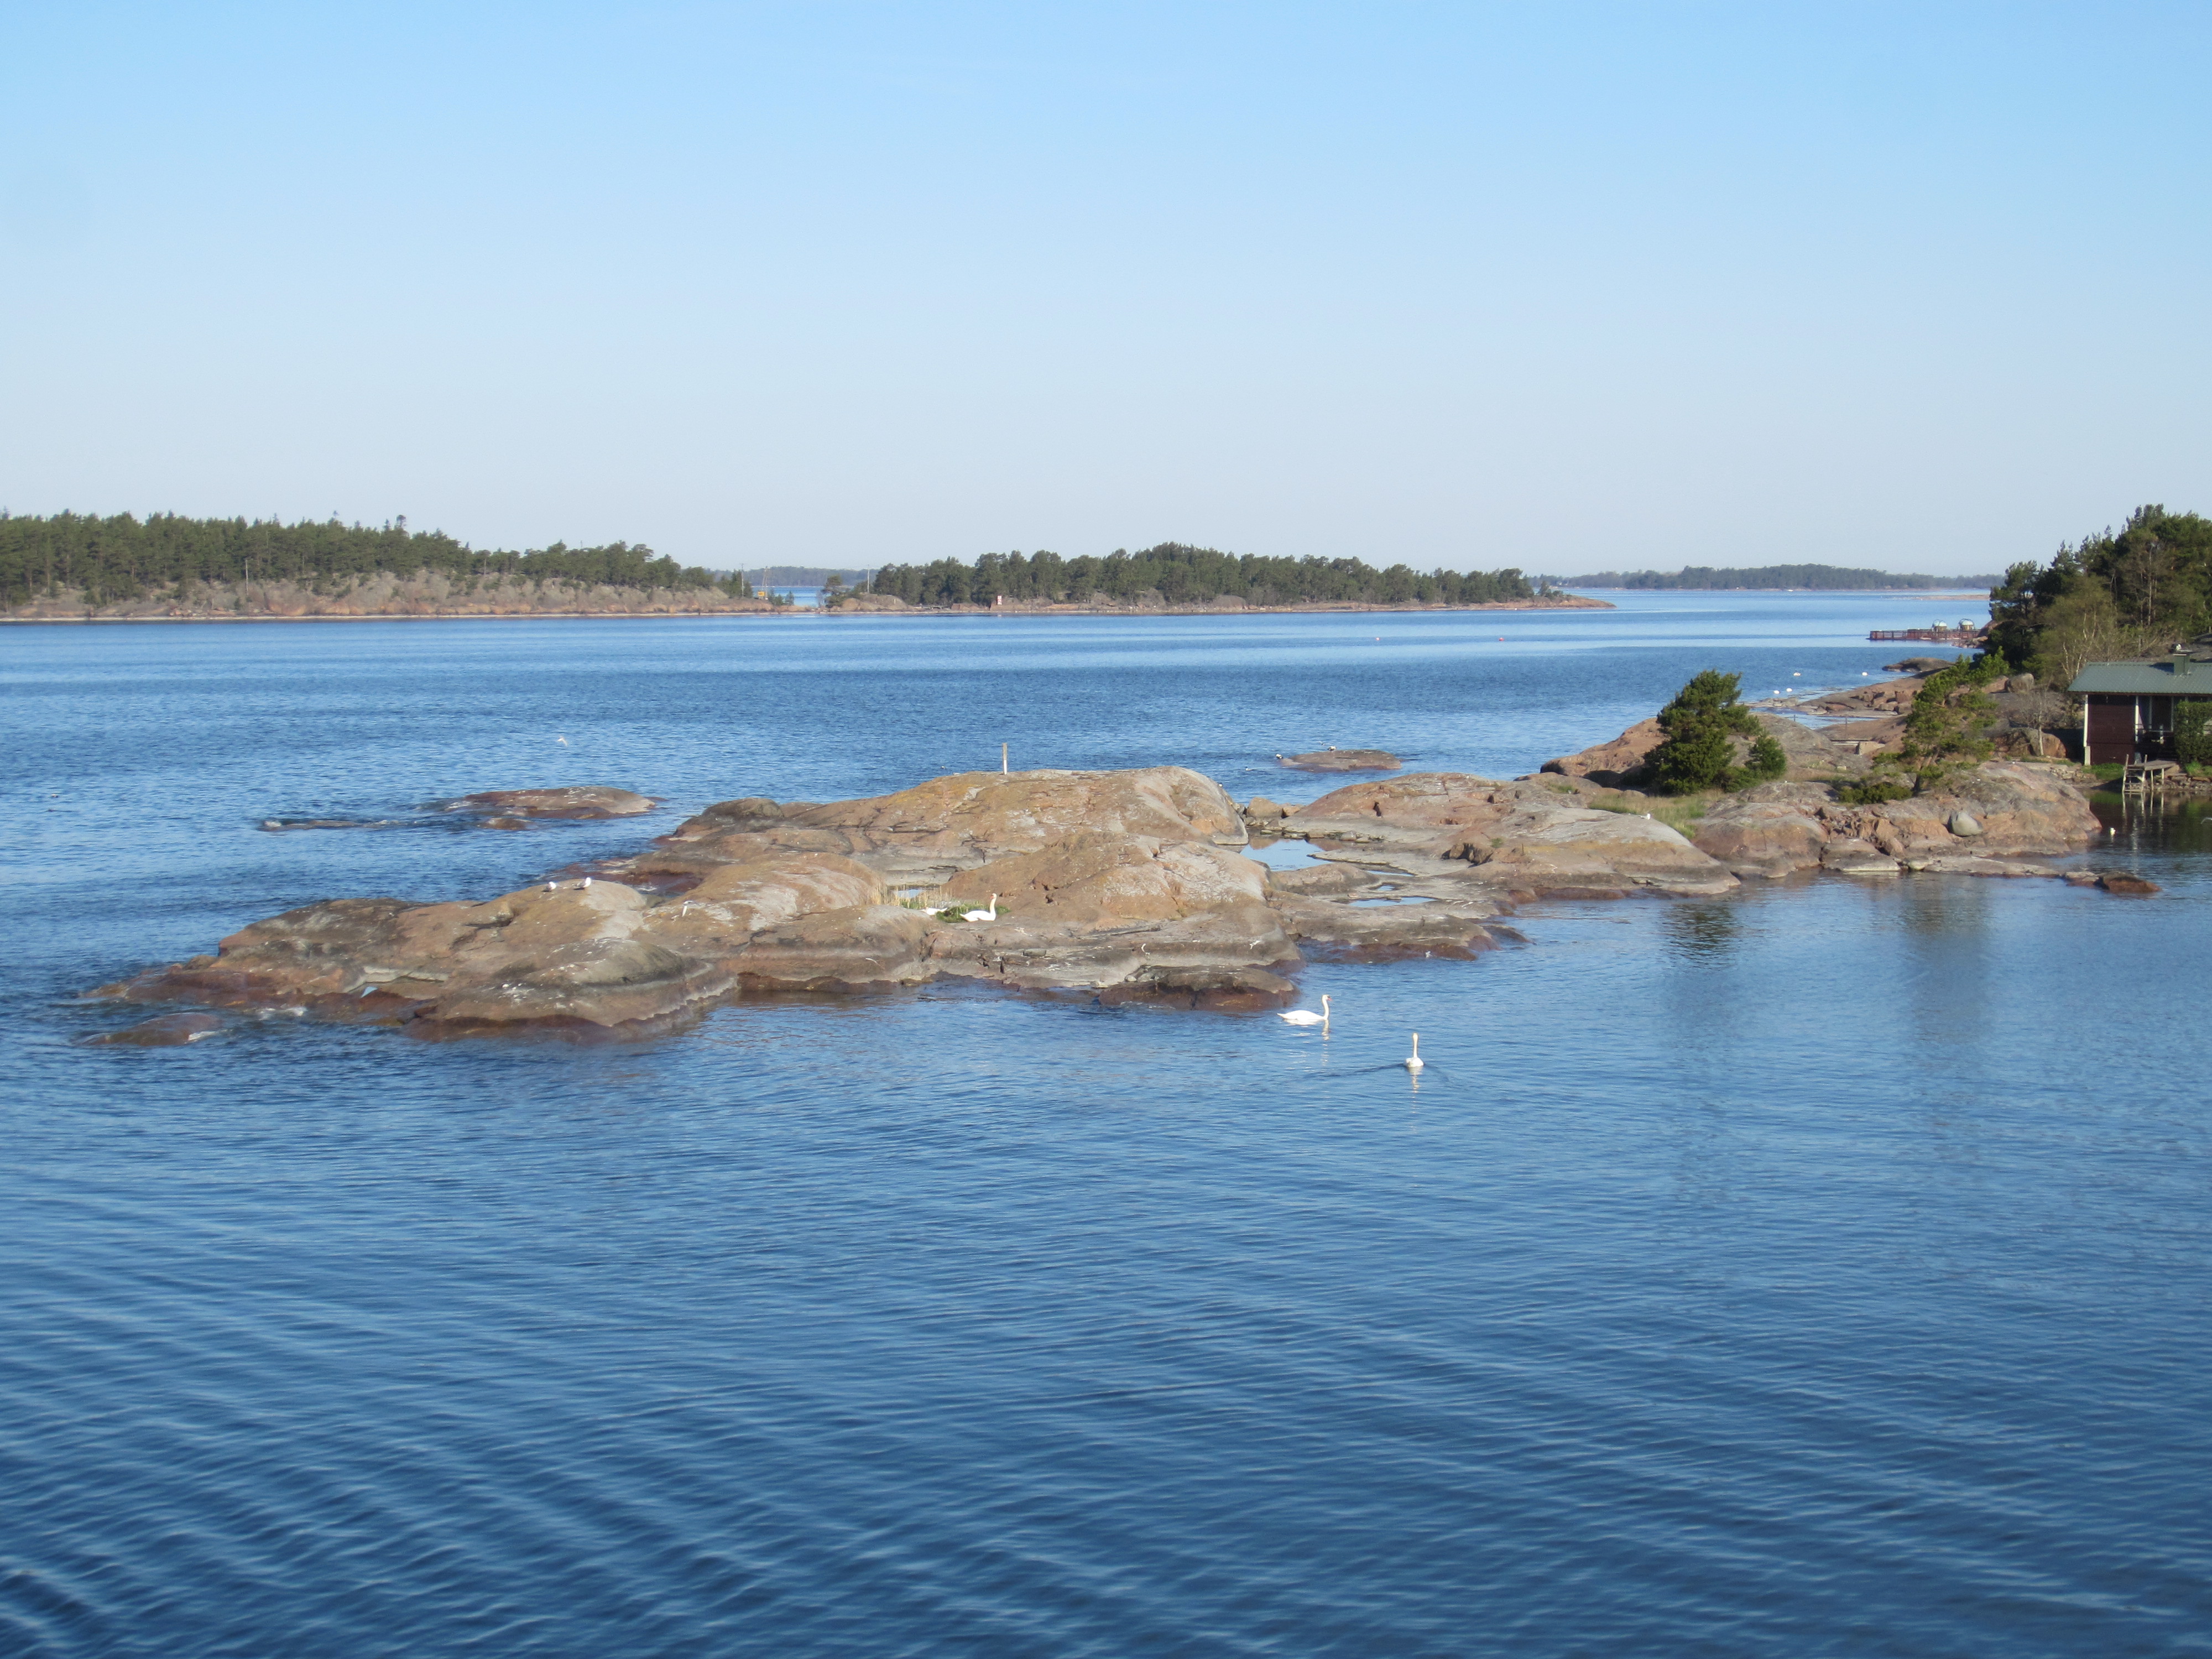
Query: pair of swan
point(986, 913)
point(1412, 1062)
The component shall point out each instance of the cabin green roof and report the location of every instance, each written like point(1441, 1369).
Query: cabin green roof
point(2157, 677)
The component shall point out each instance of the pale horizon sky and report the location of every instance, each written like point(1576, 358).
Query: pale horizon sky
point(1570, 288)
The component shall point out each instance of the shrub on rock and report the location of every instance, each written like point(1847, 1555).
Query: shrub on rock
point(1699, 752)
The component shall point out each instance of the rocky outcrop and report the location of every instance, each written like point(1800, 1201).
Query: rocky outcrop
point(576, 801)
point(1772, 830)
point(1332, 759)
point(1620, 763)
point(1126, 883)
point(1997, 810)
point(1532, 837)
point(1120, 885)
point(929, 833)
point(1882, 697)
point(575, 954)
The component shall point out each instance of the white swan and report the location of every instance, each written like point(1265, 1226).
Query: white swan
point(988, 914)
point(1413, 1059)
point(1306, 1016)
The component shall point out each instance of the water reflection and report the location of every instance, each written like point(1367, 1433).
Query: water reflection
point(1702, 929)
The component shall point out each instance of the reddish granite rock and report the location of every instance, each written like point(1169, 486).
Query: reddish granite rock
point(875, 947)
point(1618, 763)
point(2133, 886)
point(953, 823)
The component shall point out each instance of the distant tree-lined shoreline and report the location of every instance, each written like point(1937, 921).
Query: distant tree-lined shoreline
point(1173, 573)
point(1818, 577)
point(108, 560)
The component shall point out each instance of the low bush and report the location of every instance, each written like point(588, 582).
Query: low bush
point(1872, 793)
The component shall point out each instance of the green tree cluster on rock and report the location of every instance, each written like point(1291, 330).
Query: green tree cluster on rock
point(1172, 574)
point(1697, 751)
point(2126, 594)
point(2192, 733)
point(1947, 729)
point(122, 557)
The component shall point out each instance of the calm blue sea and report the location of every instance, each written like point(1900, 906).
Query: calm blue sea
point(1823, 1270)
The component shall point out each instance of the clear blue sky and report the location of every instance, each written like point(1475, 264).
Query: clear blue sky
point(1561, 286)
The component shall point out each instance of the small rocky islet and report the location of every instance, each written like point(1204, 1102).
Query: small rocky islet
point(1120, 886)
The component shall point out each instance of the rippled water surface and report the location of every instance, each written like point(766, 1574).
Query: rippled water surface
point(1821, 1270)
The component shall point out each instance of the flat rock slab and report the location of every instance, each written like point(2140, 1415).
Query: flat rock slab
point(579, 801)
point(1343, 760)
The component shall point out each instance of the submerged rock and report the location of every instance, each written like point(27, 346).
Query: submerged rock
point(1334, 759)
point(579, 801)
point(2133, 886)
point(163, 1032)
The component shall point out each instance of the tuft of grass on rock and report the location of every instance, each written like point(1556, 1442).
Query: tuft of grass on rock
point(1681, 813)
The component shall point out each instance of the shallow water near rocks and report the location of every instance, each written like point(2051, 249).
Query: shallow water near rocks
point(1818, 1270)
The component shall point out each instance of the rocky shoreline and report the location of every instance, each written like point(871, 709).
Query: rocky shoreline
point(1117, 886)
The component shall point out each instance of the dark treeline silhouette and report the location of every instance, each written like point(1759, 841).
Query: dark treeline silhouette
point(1189, 575)
point(1830, 576)
point(124, 557)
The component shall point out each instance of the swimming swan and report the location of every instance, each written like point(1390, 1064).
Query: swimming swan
point(1306, 1016)
point(1413, 1059)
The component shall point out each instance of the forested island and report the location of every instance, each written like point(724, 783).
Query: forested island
point(124, 557)
point(1173, 575)
point(77, 567)
point(1826, 578)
